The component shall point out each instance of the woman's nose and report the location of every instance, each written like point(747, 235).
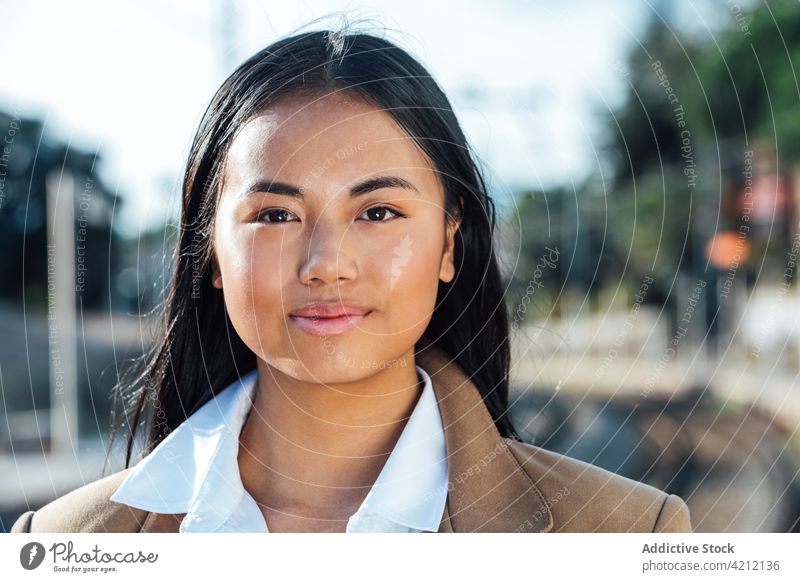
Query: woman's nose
point(328, 256)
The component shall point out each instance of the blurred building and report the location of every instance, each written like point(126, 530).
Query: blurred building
point(27, 157)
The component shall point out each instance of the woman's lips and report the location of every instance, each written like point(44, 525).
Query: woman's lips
point(328, 325)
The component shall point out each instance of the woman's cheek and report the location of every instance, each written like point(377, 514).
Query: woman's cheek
point(247, 288)
point(413, 286)
point(266, 275)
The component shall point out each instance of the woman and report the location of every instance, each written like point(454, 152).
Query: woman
point(336, 352)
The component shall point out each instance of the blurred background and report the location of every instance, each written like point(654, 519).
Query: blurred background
point(645, 162)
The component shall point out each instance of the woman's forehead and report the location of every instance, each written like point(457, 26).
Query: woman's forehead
point(336, 137)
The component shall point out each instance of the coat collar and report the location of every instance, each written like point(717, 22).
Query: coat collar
point(488, 490)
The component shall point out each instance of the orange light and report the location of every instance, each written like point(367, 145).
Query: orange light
point(727, 249)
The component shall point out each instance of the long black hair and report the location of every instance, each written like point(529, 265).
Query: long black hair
point(199, 353)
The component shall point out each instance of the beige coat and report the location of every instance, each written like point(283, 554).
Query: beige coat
point(495, 484)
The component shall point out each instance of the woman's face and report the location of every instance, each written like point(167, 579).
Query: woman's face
point(327, 200)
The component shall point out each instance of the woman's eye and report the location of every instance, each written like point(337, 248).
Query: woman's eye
point(379, 212)
point(274, 215)
point(278, 215)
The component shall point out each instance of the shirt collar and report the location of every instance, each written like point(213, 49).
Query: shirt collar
point(194, 470)
point(411, 489)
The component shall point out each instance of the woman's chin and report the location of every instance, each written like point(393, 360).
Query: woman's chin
point(329, 366)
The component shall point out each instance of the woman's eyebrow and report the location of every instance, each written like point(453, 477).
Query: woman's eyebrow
point(359, 189)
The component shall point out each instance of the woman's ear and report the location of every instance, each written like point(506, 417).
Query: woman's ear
point(447, 270)
point(216, 274)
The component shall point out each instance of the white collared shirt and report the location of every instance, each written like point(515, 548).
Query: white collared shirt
point(195, 470)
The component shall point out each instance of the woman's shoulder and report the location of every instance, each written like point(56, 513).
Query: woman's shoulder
point(585, 498)
point(87, 509)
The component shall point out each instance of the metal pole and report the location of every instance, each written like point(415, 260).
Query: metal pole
point(61, 313)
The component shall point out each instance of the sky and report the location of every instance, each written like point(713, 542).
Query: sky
point(131, 79)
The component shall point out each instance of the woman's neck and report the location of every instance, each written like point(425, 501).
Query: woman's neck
point(314, 450)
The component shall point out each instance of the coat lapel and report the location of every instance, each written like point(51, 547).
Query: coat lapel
point(488, 489)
